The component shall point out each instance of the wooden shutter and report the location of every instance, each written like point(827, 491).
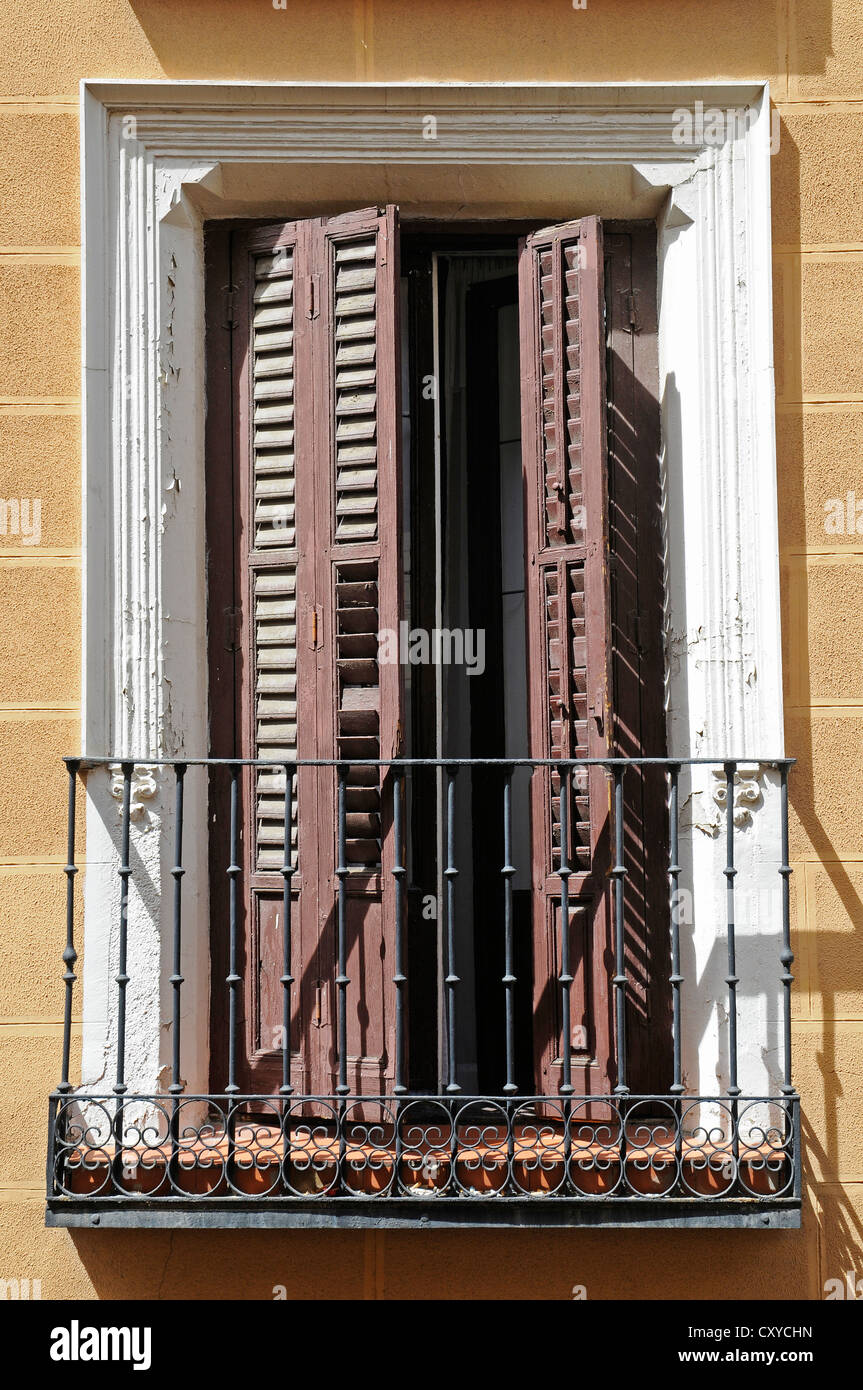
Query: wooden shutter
point(273, 556)
point(358, 544)
point(567, 558)
point(637, 651)
point(315, 557)
point(273, 705)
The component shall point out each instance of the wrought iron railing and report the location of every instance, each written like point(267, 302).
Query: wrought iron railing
point(121, 1155)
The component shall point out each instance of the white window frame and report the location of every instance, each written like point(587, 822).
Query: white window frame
point(153, 155)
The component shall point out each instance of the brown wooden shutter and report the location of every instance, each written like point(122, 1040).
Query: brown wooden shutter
point(315, 519)
point(566, 521)
point(359, 585)
point(275, 685)
point(637, 649)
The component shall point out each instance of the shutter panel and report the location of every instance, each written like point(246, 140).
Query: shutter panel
point(355, 309)
point(314, 383)
point(274, 505)
point(636, 545)
point(359, 583)
point(273, 532)
point(566, 523)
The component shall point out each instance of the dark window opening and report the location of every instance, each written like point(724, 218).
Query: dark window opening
point(480, 543)
point(466, 575)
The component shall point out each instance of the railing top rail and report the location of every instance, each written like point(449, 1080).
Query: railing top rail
point(87, 763)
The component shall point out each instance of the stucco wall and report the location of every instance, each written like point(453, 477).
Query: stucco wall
point(812, 53)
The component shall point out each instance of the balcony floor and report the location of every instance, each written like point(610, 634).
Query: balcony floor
point(536, 1173)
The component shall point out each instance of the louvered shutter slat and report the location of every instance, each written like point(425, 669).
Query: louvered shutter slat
point(355, 275)
point(274, 529)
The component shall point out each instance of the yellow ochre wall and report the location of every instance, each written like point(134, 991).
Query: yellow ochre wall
point(812, 53)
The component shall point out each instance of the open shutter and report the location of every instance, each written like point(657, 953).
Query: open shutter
point(273, 557)
point(310, 531)
point(567, 559)
point(355, 272)
point(637, 648)
point(273, 524)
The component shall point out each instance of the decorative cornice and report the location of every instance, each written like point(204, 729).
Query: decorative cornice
point(476, 123)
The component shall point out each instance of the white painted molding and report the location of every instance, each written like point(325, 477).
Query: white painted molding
point(155, 153)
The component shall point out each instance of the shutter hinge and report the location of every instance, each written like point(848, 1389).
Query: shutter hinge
point(597, 708)
point(314, 288)
point(232, 628)
point(229, 320)
point(632, 312)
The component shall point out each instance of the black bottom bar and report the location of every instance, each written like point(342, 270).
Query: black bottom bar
point(439, 1214)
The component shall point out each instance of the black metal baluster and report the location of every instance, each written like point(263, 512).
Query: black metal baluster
point(787, 959)
point(565, 978)
point(286, 980)
point(233, 980)
point(452, 979)
point(618, 873)
point(797, 1153)
point(177, 873)
point(176, 979)
point(787, 955)
point(399, 977)
point(122, 978)
point(509, 979)
point(676, 979)
point(70, 955)
point(731, 979)
point(342, 981)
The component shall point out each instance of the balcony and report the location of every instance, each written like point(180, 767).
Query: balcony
point(140, 1134)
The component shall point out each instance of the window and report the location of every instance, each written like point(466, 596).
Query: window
point(175, 1122)
point(415, 433)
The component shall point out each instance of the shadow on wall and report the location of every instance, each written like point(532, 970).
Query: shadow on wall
point(536, 40)
point(449, 1265)
point(801, 523)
